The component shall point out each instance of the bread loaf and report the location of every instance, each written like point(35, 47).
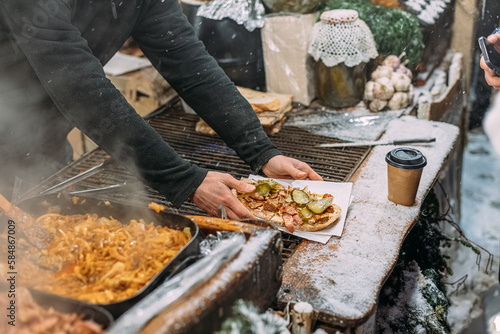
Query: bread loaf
point(260, 101)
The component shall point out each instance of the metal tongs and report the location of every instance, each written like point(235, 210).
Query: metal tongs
point(77, 178)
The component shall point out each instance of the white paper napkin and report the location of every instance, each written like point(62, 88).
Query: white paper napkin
point(341, 192)
point(121, 63)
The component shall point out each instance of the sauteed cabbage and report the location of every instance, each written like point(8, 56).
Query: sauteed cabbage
point(98, 259)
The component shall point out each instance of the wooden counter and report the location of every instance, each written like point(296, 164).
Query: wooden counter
point(342, 279)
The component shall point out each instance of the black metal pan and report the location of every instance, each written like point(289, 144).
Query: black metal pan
point(69, 205)
point(67, 305)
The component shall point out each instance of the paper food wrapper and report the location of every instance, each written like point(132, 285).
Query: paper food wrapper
point(289, 68)
point(271, 120)
point(121, 63)
point(341, 192)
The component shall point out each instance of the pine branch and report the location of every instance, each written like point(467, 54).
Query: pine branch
point(463, 238)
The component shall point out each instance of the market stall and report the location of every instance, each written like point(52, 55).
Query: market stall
point(340, 279)
point(342, 123)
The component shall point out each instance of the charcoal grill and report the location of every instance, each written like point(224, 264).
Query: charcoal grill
point(178, 129)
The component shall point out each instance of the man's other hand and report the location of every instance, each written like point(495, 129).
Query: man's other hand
point(491, 77)
point(281, 167)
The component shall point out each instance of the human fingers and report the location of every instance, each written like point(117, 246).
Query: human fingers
point(303, 172)
point(241, 186)
point(307, 172)
point(210, 193)
point(494, 39)
point(285, 167)
point(482, 64)
point(238, 212)
point(233, 207)
point(487, 70)
point(215, 191)
point(492, 79)
point(489, 75)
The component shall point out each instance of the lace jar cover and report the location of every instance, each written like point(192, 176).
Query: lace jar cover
point(341, 37)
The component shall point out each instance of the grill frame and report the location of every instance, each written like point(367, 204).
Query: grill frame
point(177, 129)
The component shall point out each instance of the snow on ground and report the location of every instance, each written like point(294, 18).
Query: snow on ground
point(481, 192)
point(481, 223)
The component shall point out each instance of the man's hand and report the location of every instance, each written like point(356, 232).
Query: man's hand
point(491, 77)
point(281, 167)
point(215, 190)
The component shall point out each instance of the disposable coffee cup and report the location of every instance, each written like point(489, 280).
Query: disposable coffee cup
point(404, 169)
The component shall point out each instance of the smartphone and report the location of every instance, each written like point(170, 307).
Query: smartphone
point(490, 54)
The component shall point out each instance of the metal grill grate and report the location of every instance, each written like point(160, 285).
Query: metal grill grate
point(177, 128)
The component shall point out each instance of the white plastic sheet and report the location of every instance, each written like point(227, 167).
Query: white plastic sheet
point(248, 13)
point(289, 68)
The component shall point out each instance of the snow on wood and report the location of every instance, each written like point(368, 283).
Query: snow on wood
point(343, 278)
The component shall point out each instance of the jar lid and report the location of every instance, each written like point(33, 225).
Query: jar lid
point(406, 158)
point(336, 16)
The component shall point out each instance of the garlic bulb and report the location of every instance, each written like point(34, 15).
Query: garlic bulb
point(392, 61)
point(398, 101)
point(382, 72)
point(377, 105)
point(390, 85)
point(401, 82)
point(369, 91)
point(383, 89)
point(404, 70)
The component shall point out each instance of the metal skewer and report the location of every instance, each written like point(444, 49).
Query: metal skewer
point(382, 142)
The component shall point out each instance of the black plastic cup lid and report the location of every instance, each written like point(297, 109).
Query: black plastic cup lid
point(406, 158)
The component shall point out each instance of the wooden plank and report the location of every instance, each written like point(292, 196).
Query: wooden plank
point(218, 224)
point(343, 278)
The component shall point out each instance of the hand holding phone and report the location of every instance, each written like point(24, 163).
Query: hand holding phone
point(490, 55)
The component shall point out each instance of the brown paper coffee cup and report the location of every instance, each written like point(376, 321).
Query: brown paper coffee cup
point(404, 169)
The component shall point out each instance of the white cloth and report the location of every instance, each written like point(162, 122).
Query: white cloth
point(350, 43)
point(248, 13)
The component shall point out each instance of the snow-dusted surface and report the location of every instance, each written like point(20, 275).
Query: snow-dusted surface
point(481, 223)
point(481, 193)
point(344, 277)
point(208, 294)
point(409, 299)
point(355, 125)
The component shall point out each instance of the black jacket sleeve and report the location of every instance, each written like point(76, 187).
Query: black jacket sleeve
point(169, 41)
point(75, 80)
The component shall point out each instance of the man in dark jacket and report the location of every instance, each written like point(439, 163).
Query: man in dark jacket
point(51, 79)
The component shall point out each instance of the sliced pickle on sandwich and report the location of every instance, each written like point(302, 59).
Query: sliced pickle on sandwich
point(300, 197)
point(320, 205)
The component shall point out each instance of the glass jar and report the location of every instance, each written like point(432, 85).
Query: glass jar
point(340, 86)
point(341, 47)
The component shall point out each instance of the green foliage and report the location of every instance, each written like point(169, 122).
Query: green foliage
point(426, 239)
point(245, 319)
point(420, 257)
point(467, 244)
point(434, 294)
point(440, 311)
point(394, 30)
